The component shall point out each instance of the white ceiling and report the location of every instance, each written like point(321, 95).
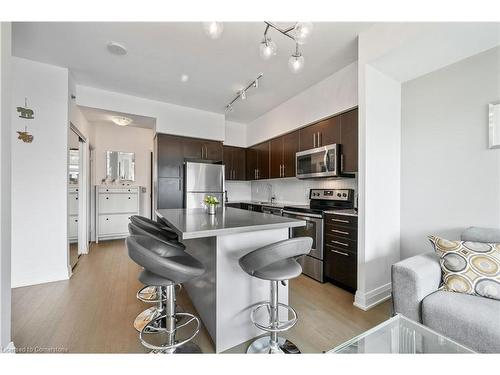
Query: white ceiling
point(101, 116)
point(159, 53)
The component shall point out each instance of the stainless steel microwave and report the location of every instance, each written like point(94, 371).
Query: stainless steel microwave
point(318, 162)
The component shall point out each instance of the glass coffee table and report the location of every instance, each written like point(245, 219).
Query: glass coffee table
point(400, 335)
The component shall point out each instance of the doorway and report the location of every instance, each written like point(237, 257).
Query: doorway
point(78, 163)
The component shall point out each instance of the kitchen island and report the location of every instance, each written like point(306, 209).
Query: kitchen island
point(225, 294)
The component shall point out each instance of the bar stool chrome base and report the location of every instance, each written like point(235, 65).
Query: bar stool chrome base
point(264, 345)
point(173, 345)
point(151, 294)
point(187, 348)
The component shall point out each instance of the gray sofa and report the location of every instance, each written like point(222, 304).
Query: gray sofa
point(470, 320)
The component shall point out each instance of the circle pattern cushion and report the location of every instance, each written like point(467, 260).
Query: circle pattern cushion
point(469, 267)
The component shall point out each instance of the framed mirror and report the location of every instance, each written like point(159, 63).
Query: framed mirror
point(494, 124)
point(120, 165)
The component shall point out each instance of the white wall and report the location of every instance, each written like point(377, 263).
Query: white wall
point(334, 94)
point(379, 185)
point(5, 185)
point(449, 178)
point(39, 175)
point(236, 134)
point(170, 118)
point(111, 137)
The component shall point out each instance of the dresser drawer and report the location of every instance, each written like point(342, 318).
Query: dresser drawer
point(121, 190)
point(113, 224)
point(73, 226)
point(73, 204)
point(343, 244)
point(342, 220)
point(116, 203)
point(341, 232)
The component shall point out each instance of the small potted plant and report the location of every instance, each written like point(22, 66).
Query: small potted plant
point(211, 203)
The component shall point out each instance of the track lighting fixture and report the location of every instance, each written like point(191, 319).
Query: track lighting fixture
point(267, 48)
point(296, 61)
point(242, 94)
point(299, 33)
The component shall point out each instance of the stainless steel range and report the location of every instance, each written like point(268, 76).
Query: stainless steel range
point(320, 200)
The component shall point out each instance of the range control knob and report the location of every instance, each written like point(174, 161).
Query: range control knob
point(339, 195)
point(344, 195)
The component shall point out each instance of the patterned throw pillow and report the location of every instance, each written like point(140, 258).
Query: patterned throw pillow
point(469, 267)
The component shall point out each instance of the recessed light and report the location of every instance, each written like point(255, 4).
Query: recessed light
point(121, 120)
point(116, 48)
point(184, 78)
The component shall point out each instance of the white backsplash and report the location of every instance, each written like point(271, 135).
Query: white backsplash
point(286, 190)
point(239, 191)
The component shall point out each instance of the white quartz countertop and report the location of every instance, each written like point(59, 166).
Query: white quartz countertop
point(196, 223)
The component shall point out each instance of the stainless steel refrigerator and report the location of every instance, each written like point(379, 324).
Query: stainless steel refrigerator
point(202, 179)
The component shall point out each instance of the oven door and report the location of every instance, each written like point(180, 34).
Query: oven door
point(313, 229)
point(318, 162)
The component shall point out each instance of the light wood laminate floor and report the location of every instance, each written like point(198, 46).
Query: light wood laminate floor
point(94, 310)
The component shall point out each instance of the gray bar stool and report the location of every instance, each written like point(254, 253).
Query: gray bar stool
point(145, 223)
point(164, 267)
point(150, 293)
point(277, 263)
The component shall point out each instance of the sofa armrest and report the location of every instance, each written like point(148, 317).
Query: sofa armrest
point(412, 280)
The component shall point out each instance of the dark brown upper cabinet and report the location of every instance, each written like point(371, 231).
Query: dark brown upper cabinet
point(282, 153)
point(263, 160)
point(234, 161)
point(349, 141)
point(211, 150)
point(258, 161)
point(323, 133)
point(201, 149)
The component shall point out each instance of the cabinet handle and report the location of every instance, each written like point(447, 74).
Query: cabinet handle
point(320, 139)
point(314, 140)
point(342, 163)
point(179, 171)
point(339, 252)
point(339, 243)
point(339, 231)
point(283, 170)
point(340, 221)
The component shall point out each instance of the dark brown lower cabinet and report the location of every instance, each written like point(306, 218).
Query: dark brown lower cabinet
point(341, 250)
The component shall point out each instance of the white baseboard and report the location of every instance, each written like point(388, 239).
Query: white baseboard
point(365, 301)
point(10, 348)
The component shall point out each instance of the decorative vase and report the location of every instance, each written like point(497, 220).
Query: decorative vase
point(211, 209)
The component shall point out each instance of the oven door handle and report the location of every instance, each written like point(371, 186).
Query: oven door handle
point(301, 216)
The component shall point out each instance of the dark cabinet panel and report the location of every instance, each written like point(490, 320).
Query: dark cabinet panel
point(323, 133)
point(341, 267)
point(252, 163)
point(170, 194)
point(349, 141)
point(169, 156)
point(192, 148)
point(329, 131)
point(308, 137)
point(276, 156)
point(212, 150)
point(262, 160)
point(234, 161)
point(290, 148)
point(239, 164)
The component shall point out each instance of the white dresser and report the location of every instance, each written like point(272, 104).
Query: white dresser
point(114, 206)
point(73, 214)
